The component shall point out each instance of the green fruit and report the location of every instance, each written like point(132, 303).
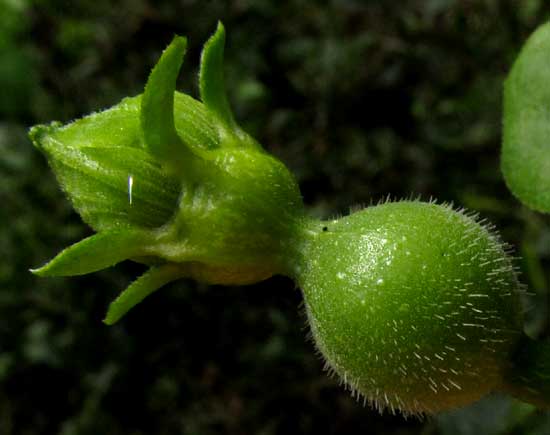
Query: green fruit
point(414, 305)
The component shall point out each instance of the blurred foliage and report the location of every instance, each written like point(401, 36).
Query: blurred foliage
point(362, 99)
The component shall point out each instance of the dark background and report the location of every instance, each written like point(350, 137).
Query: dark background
point(360, 98)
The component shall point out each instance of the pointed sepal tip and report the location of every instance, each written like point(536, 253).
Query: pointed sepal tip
point(96, 252)
point(157, 108)
point(149, 282)
point(211, 78)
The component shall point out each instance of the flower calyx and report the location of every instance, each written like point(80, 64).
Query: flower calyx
point(174, 183)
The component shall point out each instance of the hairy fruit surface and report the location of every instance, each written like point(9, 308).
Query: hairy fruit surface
point(414, 305)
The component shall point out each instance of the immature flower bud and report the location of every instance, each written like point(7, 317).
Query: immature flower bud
point(95, 158)
point(173, 182)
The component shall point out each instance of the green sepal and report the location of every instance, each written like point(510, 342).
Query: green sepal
point(526, 145)
point(157, 109)
point(211, 78)
point(146, 284)
point(214, 96)
point(96, 252)
point(110, 186)
point(195, 125)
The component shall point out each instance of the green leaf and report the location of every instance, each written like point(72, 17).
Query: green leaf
point(526, 142)
point(157, 109)
point(146, 284)
point(95, 253)
point(211, 80)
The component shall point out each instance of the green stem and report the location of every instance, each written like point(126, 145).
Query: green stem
point(305, 233)
point(529, 377)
